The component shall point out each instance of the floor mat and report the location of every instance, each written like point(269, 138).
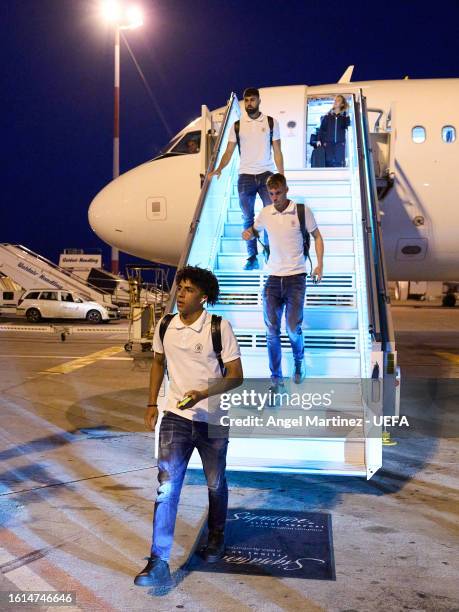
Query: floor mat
point(280, 543)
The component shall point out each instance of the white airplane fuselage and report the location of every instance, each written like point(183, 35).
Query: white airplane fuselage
point(421, 208)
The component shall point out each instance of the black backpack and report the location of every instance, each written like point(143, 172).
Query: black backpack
point(237, 127)
point(215, 330)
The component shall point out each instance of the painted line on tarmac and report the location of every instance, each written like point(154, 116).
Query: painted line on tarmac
point(452, 357)
point(81, 362)
point(62, 357)
point(57, 578)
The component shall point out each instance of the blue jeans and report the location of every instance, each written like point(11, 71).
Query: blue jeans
point(248, 186)
point(280, 291)
point(177, 439)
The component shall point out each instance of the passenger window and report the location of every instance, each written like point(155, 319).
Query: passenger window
point(190, 143)
point(48, 295)
point(418, 134)
point(448, 133)
point(8, 295)
point(66, 297)
point(33, 295)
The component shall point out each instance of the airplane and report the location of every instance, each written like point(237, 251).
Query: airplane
point(147, 211)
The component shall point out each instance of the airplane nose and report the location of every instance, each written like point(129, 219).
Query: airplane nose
point(105, 213)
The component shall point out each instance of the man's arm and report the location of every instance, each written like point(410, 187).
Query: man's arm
point(224, 160)
point(234, 377)
point(156, 379)
point(319, 247)
point(278, 157)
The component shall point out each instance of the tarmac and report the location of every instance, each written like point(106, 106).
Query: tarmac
point(78, 481)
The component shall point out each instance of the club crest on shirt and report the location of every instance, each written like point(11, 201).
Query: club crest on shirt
point(198, 348)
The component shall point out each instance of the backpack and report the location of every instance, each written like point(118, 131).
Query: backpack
point(237, 127)
point(304, 231)
point(215, 330)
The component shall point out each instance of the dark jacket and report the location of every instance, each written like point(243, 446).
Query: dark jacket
point(333, 128)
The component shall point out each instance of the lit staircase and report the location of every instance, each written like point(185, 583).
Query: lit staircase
point(342, 313)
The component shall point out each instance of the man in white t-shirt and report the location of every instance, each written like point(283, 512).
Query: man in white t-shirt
point(286, 266)
point(255, 137)
point(195, 374)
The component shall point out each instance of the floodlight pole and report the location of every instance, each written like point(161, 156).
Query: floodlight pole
point(116, 133)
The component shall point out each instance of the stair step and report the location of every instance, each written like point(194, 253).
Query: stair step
point(234, 230)
point(321, 340)
point(328, 217)
point(334, 246)
point(320, 188)
point(332, 263)
point(253, 281)
point(323, 318)
point(252, 296)
point(317, 175)
point(320, 363)
point(294, 455)
point(316, 201)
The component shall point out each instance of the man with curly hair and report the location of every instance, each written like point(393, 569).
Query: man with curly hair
point(195, 374)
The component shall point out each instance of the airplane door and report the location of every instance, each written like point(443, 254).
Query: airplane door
point(207, 139)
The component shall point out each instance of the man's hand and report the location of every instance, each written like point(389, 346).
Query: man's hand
point(318, 143)
point(217, 172)
point(196, 396)
point(248, 234)
point(151, 417)
point(317, 272)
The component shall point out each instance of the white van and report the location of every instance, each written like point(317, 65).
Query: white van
point(38, 304)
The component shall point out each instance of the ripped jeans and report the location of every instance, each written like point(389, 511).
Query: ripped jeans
point(177, 439)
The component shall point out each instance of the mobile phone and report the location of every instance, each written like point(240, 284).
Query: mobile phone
point(186, 400)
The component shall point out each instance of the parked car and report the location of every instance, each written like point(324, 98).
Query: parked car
point(38, 304)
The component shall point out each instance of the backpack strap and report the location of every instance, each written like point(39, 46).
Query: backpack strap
point(271, 130)
point(165, 321)
point(304, 231)
point(216, 332)
point(237, 127)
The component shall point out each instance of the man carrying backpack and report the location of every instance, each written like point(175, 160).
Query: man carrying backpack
point(203, 359)
point(288, 226)
point(255, 134)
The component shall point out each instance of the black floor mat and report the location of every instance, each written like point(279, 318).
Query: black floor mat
point(279, 543)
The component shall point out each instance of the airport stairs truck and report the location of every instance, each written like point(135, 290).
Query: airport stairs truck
point(31, 271)
point(349, 338)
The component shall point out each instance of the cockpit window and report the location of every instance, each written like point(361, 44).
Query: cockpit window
point(182, 144)
point(448, 133)
point(190, 143)
point(169, 145)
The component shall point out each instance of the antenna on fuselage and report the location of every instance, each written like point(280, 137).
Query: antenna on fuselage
point(347, 75)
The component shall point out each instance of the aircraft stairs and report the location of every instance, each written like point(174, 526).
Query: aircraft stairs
point(347, 326)
point(30, 271)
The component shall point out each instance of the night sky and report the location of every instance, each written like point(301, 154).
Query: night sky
point(57, 84)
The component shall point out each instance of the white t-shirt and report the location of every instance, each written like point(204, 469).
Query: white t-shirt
point(285, 238)
point(191, 360)
point(256, 153)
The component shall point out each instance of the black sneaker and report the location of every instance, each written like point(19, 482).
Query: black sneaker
point(275, 389)
point(252, 263)
point(299, 372)
point(215, 548)
point(155, 573)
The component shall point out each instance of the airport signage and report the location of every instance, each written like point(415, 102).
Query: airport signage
point(80, 261)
